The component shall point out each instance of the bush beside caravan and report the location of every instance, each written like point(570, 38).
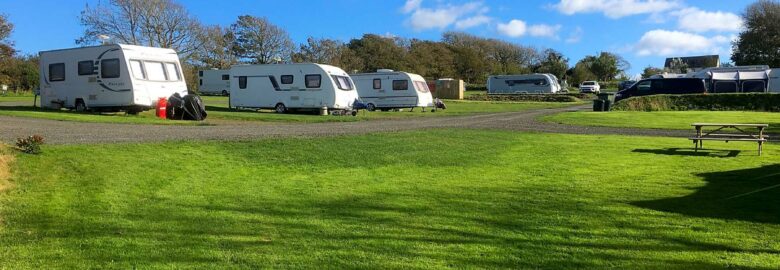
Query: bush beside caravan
point(388, 89)
point(291, 86)
point(214, 82)
point(109, 77)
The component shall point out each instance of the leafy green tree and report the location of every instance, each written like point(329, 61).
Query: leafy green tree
point(379, 52)
point(677, 65)
point(650, 71)
point(216, 50)
point(431, 59)
point(759, 43)
point(553, 62)
point(6, 49)
point(607, 66)
point(258, 41)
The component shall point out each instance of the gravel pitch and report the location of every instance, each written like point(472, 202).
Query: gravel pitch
point(63, 132)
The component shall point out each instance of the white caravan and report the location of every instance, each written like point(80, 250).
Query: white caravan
point(214, 82)
point(109, 77)
point(291, 86)
point(739, 79)
point(774, 80)
point(388, 89)
point(523, 84)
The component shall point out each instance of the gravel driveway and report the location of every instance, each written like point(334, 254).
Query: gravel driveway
point(63, 132)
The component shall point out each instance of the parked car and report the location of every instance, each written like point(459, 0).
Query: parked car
point(625, 84)
point(590, 87)
point(675, 86)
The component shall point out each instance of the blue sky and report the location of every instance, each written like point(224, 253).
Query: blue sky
point(642, 31)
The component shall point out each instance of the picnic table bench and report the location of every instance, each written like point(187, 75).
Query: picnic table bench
point(743, 134)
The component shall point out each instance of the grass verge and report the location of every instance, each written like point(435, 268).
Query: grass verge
point(665, 119)
point(428, 199)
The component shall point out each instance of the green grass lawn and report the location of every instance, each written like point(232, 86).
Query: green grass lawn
point(217, 108)
point(665, 119)
point(428, 199)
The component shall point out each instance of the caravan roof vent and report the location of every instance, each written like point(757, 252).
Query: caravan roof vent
point(384, 70)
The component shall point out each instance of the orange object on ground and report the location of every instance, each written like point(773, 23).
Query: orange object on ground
point(162, 105)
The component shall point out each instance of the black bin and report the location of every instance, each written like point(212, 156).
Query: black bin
point(598, 105)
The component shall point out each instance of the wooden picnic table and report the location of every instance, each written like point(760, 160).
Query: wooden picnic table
point(743, 135)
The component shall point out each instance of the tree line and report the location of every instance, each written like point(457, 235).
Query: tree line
point(256, 40)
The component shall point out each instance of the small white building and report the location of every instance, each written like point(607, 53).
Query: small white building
point(523, 84)
point(214, 82)
point(291, 86)
point(388, 89)
point(109, 77)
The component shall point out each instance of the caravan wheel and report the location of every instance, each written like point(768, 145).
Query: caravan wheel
point(371, 107)
point(80, 106)
point(280, 108)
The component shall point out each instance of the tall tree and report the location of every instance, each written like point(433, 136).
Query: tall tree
point(431, 59)
point(258, 41)
point(155, 23)
point(6, 49)
point(650, 71)
point(607, 66)
point(553, 62)
point(759, 43)
point(379, 52)
point(328, 51)
point(216, 50)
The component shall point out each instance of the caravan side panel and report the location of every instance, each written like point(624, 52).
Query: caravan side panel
point(774, 80)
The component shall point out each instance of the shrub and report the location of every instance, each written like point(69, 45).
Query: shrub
point(529, 97)
point(709, 102)
point(30, 145)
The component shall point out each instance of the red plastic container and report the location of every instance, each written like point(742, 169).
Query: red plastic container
point(162, 105)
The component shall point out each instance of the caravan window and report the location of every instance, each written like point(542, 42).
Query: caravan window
point(343, 82)
point(57, 72)
point(138, 70)
point(753, 86)
point(109, 68)
point(172, 71)
point(725, 87)
point(155, 71)
point(86, 68)
point(313, 80)
point(421, 87)
point(287, 79)
point(242, 82)
point(400, 85)
point(542, 82)
point(225, 77)
point(377, 83)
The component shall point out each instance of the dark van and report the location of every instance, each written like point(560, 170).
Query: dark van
point(673, 86)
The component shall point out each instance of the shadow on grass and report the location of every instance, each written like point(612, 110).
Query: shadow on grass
point(291, 112)
point(691, 152)
point(748, 195)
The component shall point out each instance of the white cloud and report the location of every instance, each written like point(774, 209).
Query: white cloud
point(615, 8)
point(676, 43)
point(696, 20)
point(575, 35)
point(514, 28)
point(411, 5)
point(544, 30)
point(472, 22)
point(444, 16)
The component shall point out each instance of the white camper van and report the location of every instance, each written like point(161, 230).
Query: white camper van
point(109, 77)
point(522, 84)
point(291, 86)
point(214, 82)
point(388, 89)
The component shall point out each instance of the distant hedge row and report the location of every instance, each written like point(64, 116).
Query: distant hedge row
point(711, 102)
point(531, 97)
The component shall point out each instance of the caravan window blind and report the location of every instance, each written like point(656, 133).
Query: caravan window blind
point(86, 68)
point(109, 68)
point(57, 72)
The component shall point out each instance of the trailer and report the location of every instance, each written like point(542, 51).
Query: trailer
point(387, 89)
point(523, 84)
point(284, 87)
point(774, 80)
point(214, 82)
point(739, 79)
point(112, 78)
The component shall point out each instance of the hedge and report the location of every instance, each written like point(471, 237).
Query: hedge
point(530, 97)
point(710, 102)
